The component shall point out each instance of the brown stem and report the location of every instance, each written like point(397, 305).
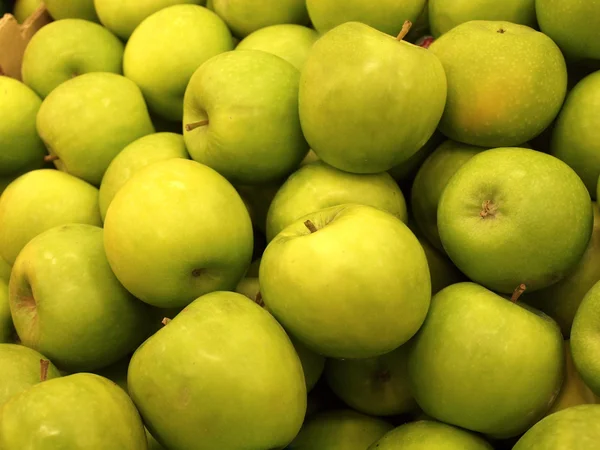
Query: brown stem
point(517, 293)
point(311, 226)
point(405, 29)
point(259, 300)
point(165, 321)
point(194, 125)
point(50, 158)
point(44, 364)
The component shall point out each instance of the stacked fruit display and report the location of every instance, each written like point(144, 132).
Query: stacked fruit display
point(302, 224)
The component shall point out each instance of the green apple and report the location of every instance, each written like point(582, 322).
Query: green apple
point(77, 411)
point(386, 16)
point(576, 136)
point(317, 185)
point(376, 386)
point(288, 41)
point(85, 144)
point(25, 8)
point(245, 17)
point(353, 70)
point(258, 198)
point(506, 82)
point(407, 170)
point(241, 117)
point(52, 274)
point(5, 270)
point(447, 14)
point(573, 428)
point(165, 50)
point(561, 300)
point(72, 9)
point(513, 215)
point(182, 223)
point(430, 435)
point(430, 182)
point(20, 145)
point(339, 429)
point(310, 157)
point(7, 331)
point(202, 372)
point(40, 200)
point(341, 295)
point(484, 363)
point(573, 25)
point(443, 272)
point(137, 155)
point(66, 48)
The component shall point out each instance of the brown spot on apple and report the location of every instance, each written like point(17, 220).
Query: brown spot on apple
point(488, 209)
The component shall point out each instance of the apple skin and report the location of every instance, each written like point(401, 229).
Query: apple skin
point(443, 272)
point(405, 172)
point(7, 329)
point(204, 376)
point(377, 295)
point(67, 48)
point(165, 50)
point(21, 369)
point(573, 428)
point(24, 8)
point(72, 9)
point(506, 82)
point(20, 145)
point(483, 363)
point(250, 99)
point(430, 435)
point(40, 200)
point(513, 203)
point(576, 136)
point(137, 155)
point(317, 185)
point(5, 270)
point(74, 411)
point(354, 69)
point(387, 16)
point(182, 223)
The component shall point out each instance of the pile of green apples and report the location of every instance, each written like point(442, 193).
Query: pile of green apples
point(303, 225)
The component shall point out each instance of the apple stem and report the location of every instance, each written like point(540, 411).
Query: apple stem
point(194, 125)
point(50, 158)
point(311, 226)
point(165, 320)
point(44, 364)
point(259, 300)
point(517, 293)
point(405, 29)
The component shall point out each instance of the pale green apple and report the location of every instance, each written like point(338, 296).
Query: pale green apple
point(7, 331)
point(443, 272)
point(22, 368)
point(72, 9)
point(506, 82)
point(20, 145)
point(76, 411)
point(573, 25)
point(513, 215)
point(576, 428)
point(353, 70)
point(576, 135)
point(66, 48)
point(51, 276)
point(244, 17)
point(483, 363)
point(137, 155)
point(407, 170)
point(165, 50)
point(182, 223)
point(24, 8)
point(430, 435)
point(317, 185)
point(349, 281)
point(339, 429)
point(376, 386)
point(431, 179)
point(258, 199)
point(386, 15)
point(5, 270)
point(310, 157)
point(250, 287)
point(202, 371)
point(241, 117)
point(40, 200)
point(288, 41)
point(87, 120)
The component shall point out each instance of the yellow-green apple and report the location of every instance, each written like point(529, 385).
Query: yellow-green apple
point(66, 48)
point(241, 117)
point(165, 50)
point(484, 363)
point(182, 223)
point(288, 41)
point(193, 373)
point(506, 82)
point(342, 296)
point(137, 155)
point(354, 69)
point(5, 270)
point(6, 326)
point(72, 9)
point(40, 200)
point(24, 8)
point(20, 146)
point(317, 185)
point(76, 411)
point(513, 215)
point(405, 172)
